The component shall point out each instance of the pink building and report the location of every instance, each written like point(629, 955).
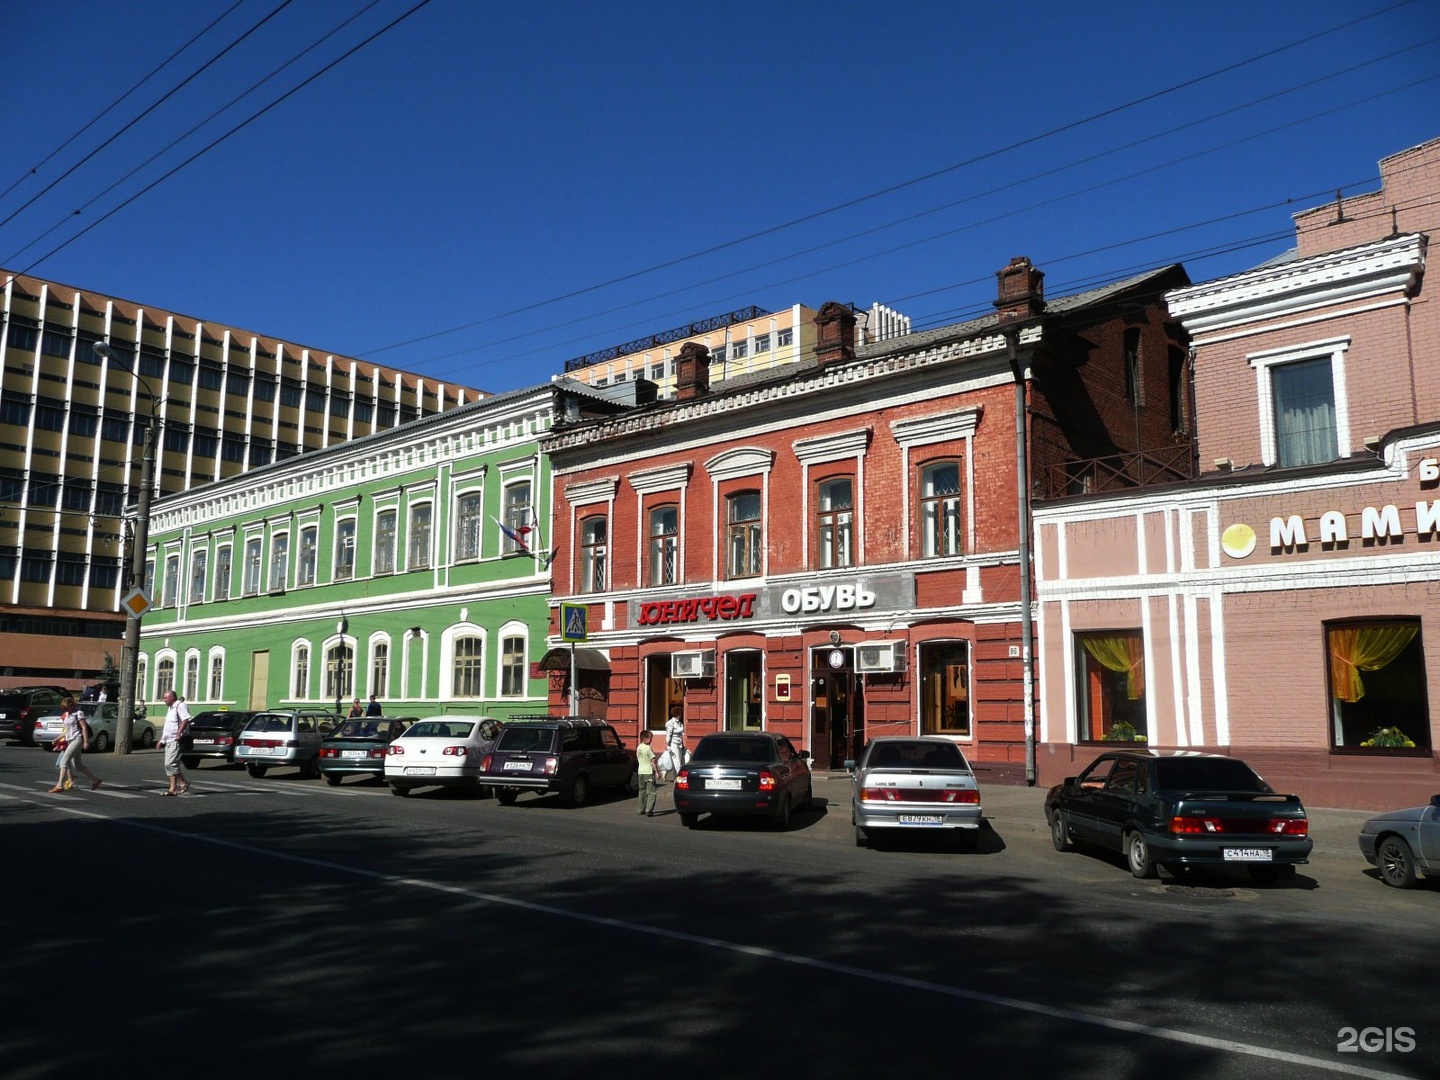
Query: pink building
point(1284, 607)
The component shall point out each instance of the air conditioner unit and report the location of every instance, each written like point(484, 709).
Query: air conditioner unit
point(880, 656)
point(693, 664)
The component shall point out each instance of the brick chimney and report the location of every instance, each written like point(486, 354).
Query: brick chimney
point(835, 334)
point(1022, 291)
point(692, 371)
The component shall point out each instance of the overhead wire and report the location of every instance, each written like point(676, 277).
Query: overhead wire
point(35, 169)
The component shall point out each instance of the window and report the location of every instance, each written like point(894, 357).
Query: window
point(469, 670)
point(171, 593)
point(593, 533)
point(380, 669)
point(385, 542)
point(222, 572)
point(164, 676)
point(232, 448)
point(1110, 700)
point(1304, 405)
point(13, 411)
point(945, 688)
point(739, 349)
point(252, 566)
point(762, 343)
point(279, 561)
point(784, 338)
point(300, 672)
point(512, 667)
point(1132, 366)
point(142, 671)
point(1378, 700)
point(834, 525)
point(198, 560)
point(305, 568)
point(419, 554)
point(940, 509)
point(664, 539)
point(345, 549)
point(192, 677)
point(743, 535)
point(467, 526)
point(339, 671)
point(517, 511)
point(217, 677)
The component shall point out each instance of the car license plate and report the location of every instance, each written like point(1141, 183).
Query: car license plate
point(353, 753)
point(1247, 854)
point(417, 771)
point(261, 749)
point(517, 766)
point(921, 819)
point(203, 742)
point(722, 785)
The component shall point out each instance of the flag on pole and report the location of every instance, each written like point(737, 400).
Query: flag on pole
point(516, 536)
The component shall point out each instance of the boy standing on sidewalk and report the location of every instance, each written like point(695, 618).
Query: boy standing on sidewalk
point(645, 770)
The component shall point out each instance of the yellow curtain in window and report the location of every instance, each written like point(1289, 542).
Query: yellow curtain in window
point(1124, 653)
point(1354, 649)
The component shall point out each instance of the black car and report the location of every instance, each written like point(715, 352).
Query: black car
point(213, 734)
point(569, 755)
point(1178, 811)
point(22, 705)
point(357, 747)
point(749, 774)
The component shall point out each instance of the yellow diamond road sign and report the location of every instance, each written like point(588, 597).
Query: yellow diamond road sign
point(136, 603)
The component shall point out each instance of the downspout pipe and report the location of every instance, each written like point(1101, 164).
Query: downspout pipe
point(1022, 516)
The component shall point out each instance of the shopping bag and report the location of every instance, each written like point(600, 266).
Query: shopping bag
point(664, 763)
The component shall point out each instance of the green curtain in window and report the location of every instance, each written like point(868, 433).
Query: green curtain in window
point(1124, 653)
point(1354, 649)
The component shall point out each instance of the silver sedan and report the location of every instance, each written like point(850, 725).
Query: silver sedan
point(1401, 843)
point(905, 784)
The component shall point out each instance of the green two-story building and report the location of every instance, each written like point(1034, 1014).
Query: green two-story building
point(411, 564)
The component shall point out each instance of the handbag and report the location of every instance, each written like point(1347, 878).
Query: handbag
point(59, 744)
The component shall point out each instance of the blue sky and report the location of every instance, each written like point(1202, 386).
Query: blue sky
point(486, 190)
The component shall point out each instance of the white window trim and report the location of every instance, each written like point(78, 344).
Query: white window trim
point(826, 450)
point(447, 659)
point(514, 628)
point(928, 431)
point(668, 478)
point(742, 462)
point(290, 688)
point(1263, 362)
point(216, 653)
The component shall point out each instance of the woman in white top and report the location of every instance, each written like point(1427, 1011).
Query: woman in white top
point(675, 743)
point(76, 734)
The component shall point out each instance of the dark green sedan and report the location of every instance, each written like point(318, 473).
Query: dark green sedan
point(357, 747)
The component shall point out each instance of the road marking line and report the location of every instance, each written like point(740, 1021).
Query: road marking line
point(1129, 1027)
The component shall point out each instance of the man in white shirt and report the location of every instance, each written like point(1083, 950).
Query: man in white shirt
point(177, 722)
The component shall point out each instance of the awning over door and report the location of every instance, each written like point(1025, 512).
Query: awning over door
point(558, 659)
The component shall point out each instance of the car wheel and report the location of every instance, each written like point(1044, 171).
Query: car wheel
point(967, 840)
point(506, 796)
point(1060, 831)
point(100, 743)
point(689, 820)
point(399, 789)
point(1269, 875)
point(147, 739)
point(333, 781)
point(579, 789)
point(781, 821)
point(809, 799)
point(257, 771)
point(1137, 854)
point(190, 762)
point(311, 769)
point(862, 838)
point(1396, 862)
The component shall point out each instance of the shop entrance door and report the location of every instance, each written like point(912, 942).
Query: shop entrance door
point(743, 683)
point(837, 708)
point(664, 696)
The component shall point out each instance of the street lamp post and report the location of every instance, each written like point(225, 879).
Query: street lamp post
point(130, 653)
point(341, 668)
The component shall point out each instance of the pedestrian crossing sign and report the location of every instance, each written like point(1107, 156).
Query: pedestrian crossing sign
point(573, 622)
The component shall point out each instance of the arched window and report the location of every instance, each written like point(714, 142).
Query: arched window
point(164, 676)
point(300, 672)
point(380, 669)
point(217, 676)
point(513, 681)
point(744, 535)
point(834, 524)
point(339, 671)
point(469, 667)
point(192, 676)
point(594, 532)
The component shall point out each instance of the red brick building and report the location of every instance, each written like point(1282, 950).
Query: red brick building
point(1283, 606)
point(831, 549)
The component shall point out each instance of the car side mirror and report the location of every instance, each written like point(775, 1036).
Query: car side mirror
point(850, 764)
point(1069, 781)
point(805, 756)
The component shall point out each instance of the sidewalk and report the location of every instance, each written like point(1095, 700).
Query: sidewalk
point(1012, 806)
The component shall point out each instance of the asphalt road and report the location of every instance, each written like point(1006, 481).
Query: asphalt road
point(281, 924)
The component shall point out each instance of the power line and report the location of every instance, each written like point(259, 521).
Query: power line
point(851, 203)
point(34, 169)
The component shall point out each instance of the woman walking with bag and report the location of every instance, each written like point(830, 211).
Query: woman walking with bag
point(675, 743)
point(76, 733)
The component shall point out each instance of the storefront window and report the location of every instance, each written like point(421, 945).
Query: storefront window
point(1110, 700)
point(1378, 700)
point(945, 688)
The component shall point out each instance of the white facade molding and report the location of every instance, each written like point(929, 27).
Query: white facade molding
point(742, 461)
point(1351, 274)
point(666, 478)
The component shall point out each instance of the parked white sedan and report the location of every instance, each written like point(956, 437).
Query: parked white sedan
point(441, 750)
point(102, 728)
